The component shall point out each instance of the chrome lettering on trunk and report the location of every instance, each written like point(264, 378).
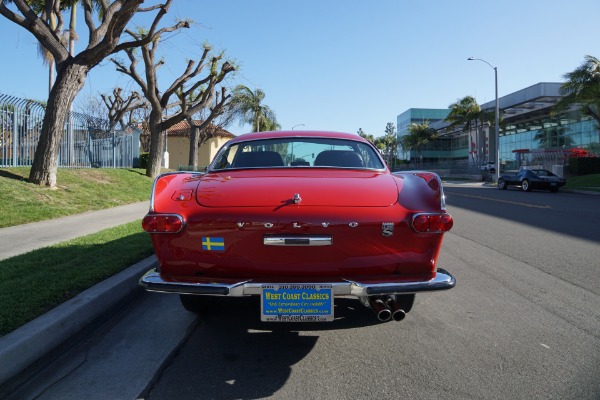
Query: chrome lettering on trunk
point(298, 225)
point(267, 225)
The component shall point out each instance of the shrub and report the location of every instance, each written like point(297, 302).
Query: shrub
point(144, 160)
point(584, 165)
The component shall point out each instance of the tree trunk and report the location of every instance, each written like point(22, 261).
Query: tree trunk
point(45, 163)
point(157, 144)
point(194, 142)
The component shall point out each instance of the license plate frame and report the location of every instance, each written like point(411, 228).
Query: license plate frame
point(298, 302)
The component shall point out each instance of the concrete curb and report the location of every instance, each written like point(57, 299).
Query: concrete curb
point(28, 344)
point(592, 193)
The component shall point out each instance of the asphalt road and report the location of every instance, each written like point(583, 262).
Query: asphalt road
point(522, 323)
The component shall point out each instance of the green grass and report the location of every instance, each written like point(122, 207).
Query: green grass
point(77, 191)
point(584, 182)
point(33, 283)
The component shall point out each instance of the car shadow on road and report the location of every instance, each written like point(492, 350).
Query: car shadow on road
point(233, 355)
point(562, 213)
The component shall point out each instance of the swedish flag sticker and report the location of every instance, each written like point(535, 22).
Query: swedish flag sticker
point(213, 243)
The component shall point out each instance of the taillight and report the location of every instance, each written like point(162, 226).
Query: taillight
point(162, 223)
point(432, 222)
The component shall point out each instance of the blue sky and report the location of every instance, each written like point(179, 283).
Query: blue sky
point(347, 64)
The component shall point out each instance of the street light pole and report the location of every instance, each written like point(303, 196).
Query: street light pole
point(293, 142)
point(497, 124)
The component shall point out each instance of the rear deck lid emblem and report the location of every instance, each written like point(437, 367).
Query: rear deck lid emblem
point(387, 229)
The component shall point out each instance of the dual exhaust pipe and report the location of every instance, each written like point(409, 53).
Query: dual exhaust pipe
point(386, 308)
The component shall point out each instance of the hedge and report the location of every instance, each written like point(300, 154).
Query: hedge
point(584, 165)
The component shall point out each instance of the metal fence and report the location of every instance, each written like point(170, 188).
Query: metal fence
point(86, 141)
point(444, 168)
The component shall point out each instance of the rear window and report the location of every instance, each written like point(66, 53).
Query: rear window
point(298, 153)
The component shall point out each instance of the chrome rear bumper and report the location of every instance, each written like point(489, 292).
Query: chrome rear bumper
point(443, 280)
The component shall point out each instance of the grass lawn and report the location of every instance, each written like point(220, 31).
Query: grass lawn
point(585, 182)
point(77, 191)
point(33, 283)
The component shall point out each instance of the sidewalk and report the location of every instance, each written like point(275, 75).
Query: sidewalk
point(26, 345)
point(21, 239)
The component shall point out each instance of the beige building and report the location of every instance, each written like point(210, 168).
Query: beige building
point(178, 145)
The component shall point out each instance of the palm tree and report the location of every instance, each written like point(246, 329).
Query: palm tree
point(248, 106)
point(554, 137)
point(68, 38)
point(72, 4)
point(418, 136)
point(45, 11)
point(464, 112)
point(582, 87)
point(270, 125)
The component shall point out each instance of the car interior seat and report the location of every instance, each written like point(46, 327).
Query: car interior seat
point(339, 158)
point(258, 159)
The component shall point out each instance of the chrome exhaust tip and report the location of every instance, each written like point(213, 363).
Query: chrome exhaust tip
point(398, 314)
point(380, 309)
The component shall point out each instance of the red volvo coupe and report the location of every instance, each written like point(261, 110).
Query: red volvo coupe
point(298, 218)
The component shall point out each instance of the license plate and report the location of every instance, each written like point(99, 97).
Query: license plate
point(296, 303)
point(552, 183)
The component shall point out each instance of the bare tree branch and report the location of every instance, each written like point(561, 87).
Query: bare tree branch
point(151, 37)
point(89, 20)
point(185, 87)
point(40, 29)
point(118, 106)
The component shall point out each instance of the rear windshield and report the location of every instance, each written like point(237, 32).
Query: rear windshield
point(298, 153)
point(542, 172)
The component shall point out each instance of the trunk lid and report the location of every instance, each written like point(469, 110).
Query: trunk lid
point(314, 187)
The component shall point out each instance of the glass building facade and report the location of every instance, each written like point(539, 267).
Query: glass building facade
point(530, 133)
point(418, 116)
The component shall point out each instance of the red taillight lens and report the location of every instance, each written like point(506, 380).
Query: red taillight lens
point(432, 223)
point(168, 223)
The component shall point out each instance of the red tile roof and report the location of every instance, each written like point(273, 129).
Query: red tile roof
point(183, 129)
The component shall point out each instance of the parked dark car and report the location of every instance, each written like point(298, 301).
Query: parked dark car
point(529, 179)
point(489, 166)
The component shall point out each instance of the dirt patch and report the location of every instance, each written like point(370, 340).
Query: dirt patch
point(95, 176)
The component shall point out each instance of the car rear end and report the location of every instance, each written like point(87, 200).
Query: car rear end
point(238, 232)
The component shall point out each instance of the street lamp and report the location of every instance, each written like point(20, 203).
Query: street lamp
point(297, 125)
point(497, 125)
